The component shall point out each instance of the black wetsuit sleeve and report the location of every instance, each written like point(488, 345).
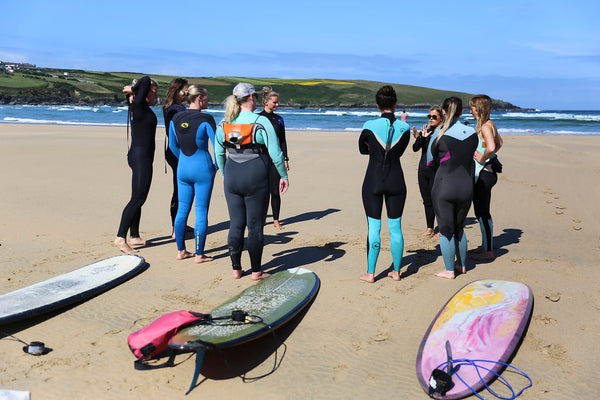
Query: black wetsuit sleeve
point(282, 141)
point(404, 140)
point(363, 141)
point(141, 89)
point(418, 144)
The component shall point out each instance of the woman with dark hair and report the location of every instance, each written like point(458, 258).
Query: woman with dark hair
point(270, 104)
point(425, 173)
point(189, 132)
point(451, 149)
point(173, 104)
point(486, 167)
point(251, 144)
point(384, 139)
point(140, 158)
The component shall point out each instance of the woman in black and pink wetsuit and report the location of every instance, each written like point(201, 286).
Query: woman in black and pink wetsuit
point(173, 104)
point(140, 158)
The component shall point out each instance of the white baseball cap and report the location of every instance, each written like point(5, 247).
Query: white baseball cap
point(243, 89)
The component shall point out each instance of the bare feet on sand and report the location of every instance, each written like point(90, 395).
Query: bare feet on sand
point(446, 274)
point(137, 241)
point(483, 256)
point(395, 275)
point(257, 276)
point(428, 232)
point(121, 243)
point(367, 277)
point(277, 224)
point(436, 236)
point(237, 273)
point(183, 254)
point(201, 258)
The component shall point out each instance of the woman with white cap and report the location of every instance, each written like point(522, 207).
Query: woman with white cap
point(250, 143)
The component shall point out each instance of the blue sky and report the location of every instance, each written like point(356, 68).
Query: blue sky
point(543, 55)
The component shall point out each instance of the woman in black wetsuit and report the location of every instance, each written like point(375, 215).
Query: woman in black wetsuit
point(139, 157)
point(425, 173)
point(384, 139)
point(451, 148)
point(271, 103)
point(173, 104)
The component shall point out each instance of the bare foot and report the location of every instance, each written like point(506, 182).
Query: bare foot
point(201, 258)
point(395, 275)
point(446, 274)
point(436, 236)
point(121, 243)
point(257, 276)
point(237, 273)
point(173, 235)
point(367, 277)
point(484, 256)
point(277, 225)
point(183, 254)
point(460, 269)
point(428, 232)
point(137, 241)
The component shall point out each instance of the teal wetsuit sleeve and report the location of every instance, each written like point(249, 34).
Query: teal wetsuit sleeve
point(173, 145)
point(434, 136)
point(269, 138)
point(220, 150)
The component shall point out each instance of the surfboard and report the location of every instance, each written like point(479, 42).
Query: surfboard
point(485, 320)
point(69, 288)
point(269, 304)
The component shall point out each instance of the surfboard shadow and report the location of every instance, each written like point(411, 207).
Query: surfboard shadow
point(239, 361)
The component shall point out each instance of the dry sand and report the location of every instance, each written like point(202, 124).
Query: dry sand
point(63, 191)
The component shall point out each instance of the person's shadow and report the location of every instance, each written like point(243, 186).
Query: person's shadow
point(303, 256)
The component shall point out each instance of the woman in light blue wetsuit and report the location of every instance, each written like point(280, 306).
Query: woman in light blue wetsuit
point(251, 143)
point(189, 132)
point(384, 139)
point(486, 167)
point(451, 148)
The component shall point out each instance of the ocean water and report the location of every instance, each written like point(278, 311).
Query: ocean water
point(550, 122)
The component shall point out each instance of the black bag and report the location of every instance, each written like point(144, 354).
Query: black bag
point(496, 165)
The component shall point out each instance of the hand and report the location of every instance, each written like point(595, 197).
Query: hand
point(415, 132)
point(478, 156)
point(425, 131)
point(284, 185)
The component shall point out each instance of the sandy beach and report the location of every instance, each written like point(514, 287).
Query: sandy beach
point(63, 191)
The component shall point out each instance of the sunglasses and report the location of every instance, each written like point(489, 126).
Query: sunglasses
point(432, 117)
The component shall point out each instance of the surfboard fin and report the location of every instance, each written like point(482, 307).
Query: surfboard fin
point(199, 361)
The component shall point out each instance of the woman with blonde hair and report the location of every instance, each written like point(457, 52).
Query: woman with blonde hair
point(486, 168)
point(189, 132)
point(270, 105)
point(250, 143)
point(451, 149)
point(173, 104)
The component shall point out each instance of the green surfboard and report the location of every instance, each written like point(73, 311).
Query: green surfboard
point(269, 304)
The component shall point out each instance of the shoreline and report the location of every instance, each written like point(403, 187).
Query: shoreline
point(64, 191)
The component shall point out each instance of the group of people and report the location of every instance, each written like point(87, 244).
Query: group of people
point(457, 168)
point(250, 151)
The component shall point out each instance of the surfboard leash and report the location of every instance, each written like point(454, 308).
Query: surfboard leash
point(34, 348)
point(441, 381)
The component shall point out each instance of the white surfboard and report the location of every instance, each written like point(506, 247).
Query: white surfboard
point(69, 288)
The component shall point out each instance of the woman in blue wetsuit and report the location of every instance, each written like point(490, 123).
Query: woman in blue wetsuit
point(426, 174)
point(384, 139)
point(173, 104)
point(271, 103)
point(486, 167)
point(189, 132)
point(140, 158)
point(451, 148)
point(251, 143)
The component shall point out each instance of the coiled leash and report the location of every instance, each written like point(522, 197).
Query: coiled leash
point(441, 381)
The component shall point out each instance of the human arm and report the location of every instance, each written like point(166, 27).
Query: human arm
point(173, 144)
point(140, 90)
point(487, 134)
point(220, 150)
point(363, 141)
point(270, 140)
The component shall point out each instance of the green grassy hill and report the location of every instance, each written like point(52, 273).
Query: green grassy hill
point(67, 86)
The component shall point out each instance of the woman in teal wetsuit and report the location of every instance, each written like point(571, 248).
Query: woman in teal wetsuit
point(384, 139)
point(189, 132)
point(250, 143)
point(451, 148)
